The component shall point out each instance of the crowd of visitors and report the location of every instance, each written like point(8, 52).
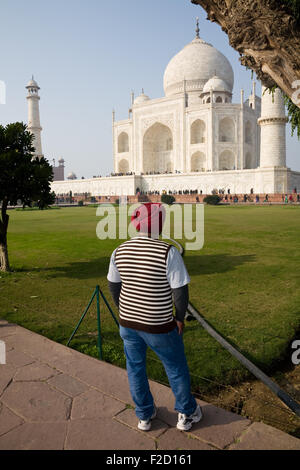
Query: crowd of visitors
point(129, 173)
point(225, 196)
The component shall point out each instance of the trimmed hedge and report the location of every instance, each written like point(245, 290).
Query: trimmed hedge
point(213, 199)
point(167, 199)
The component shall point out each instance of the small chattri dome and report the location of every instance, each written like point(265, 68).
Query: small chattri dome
point(72, 176)
point(216, 84)
point(142, 98)
point(32, 83)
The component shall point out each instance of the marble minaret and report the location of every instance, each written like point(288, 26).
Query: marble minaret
point(34, 125)
point(273, 128)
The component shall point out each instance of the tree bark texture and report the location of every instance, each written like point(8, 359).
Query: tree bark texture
point(266, 35)
point(4, 262)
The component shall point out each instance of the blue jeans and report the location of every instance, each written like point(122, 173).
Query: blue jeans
point(170, 350)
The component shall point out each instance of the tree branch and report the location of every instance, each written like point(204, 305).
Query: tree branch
point(266, 35)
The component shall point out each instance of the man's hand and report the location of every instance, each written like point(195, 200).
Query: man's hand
point(180, 325)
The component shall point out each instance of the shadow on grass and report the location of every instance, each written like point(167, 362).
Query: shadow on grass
point(196, 265)
point(211, 264)
point(75, 270)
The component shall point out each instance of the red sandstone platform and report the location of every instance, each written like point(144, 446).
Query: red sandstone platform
point(53, 398)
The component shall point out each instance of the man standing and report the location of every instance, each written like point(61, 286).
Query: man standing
point(144, 274)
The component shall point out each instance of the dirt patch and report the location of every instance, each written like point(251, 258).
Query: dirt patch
point(255, 401)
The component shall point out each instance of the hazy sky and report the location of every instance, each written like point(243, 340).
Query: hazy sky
point(87, 56)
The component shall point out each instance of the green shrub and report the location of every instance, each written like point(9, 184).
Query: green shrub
point(167, 199)
point(80, 203)
point(36, 208)
point(213, 199)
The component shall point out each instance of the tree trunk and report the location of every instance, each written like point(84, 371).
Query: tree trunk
point(4, 263)
point(266, 35)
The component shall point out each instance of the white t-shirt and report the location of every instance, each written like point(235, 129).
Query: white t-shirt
point(177, 274)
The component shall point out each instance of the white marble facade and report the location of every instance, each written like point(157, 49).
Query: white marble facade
point(195, 138)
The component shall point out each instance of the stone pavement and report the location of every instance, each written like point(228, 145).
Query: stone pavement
point(53, 397)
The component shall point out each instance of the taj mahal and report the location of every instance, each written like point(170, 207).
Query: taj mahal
point(192, 138)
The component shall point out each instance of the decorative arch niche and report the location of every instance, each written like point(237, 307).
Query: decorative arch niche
point(248, 132)
point(198, 162)
point(158, 149)
point(198, 129)
point(249, 164)
point(226, 130)
point(123, 166)
point(123, 143)
point(227, 160)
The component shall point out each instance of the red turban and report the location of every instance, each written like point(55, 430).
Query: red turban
point(149, 218)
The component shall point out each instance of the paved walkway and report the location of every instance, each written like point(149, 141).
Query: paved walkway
point(53, 397)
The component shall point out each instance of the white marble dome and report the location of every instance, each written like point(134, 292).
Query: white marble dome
point(216, 84)
point(196, 63)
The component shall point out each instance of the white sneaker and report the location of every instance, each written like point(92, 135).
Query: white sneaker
point(145, 424)
point(186, 422)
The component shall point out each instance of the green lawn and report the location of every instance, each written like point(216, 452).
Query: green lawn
point(245, 282)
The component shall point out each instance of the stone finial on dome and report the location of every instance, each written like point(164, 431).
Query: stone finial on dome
point(197, 28)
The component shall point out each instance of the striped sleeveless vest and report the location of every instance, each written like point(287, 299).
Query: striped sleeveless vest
point(146, 297)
